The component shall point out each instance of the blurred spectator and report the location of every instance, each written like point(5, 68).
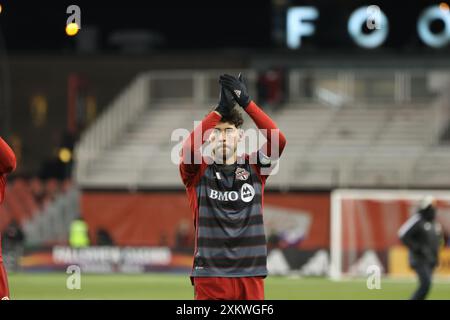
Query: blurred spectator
point(104, 238)
point(271, 88)
point(79, 236)
point(13, 241)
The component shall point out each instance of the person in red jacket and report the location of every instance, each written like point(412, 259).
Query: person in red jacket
point(7, 165)
point(226, 194)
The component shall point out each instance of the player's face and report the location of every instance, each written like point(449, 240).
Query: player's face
point(224, 139)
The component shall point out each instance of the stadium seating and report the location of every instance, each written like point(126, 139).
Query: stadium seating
point(387, 144)
point(44, 209)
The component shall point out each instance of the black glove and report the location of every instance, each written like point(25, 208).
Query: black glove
point(226, 102)
point(237, 87)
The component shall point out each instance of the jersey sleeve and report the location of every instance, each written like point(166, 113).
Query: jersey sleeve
point(192, 162)
point(7, 165)
point(7, 158)
point(266, 158)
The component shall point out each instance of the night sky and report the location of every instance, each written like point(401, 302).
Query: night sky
point(38, 26)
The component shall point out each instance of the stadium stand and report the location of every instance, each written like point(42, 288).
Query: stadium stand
point(385, 143)
point(44, 209)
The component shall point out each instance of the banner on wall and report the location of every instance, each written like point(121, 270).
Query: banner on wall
point(287, 261)
point(107, 259)
point(280, 261)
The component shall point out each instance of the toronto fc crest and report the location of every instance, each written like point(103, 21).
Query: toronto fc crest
point(242, 174)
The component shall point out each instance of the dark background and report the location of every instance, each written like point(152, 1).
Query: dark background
point(195, 25)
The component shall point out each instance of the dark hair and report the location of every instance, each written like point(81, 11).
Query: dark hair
point(234, 117)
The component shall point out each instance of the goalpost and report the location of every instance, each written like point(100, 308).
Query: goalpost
point(365, 222)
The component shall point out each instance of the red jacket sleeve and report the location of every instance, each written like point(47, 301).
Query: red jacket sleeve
point(191, 158)
point(7, 158)
point(263, 121)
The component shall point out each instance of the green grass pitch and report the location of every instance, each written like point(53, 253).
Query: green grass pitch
point(174, 287)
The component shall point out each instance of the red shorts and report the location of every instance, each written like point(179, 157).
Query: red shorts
point(4, 291)
point(222, 288)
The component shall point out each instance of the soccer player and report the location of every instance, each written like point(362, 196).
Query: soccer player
point(226, 198)
point(422, 235)
point(7, 165)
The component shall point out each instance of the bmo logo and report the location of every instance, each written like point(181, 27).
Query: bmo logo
point(246, 194)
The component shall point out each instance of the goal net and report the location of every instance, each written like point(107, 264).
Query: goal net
point(365, 224)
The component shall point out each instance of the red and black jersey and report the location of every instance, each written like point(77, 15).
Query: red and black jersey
point(227, 205)
point(7, 165)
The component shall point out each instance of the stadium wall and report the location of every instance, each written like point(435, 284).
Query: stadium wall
point(153, 218)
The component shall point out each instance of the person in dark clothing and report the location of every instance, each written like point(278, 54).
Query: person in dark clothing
point(104, 238)
point(422, 235)
point(14, 239)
